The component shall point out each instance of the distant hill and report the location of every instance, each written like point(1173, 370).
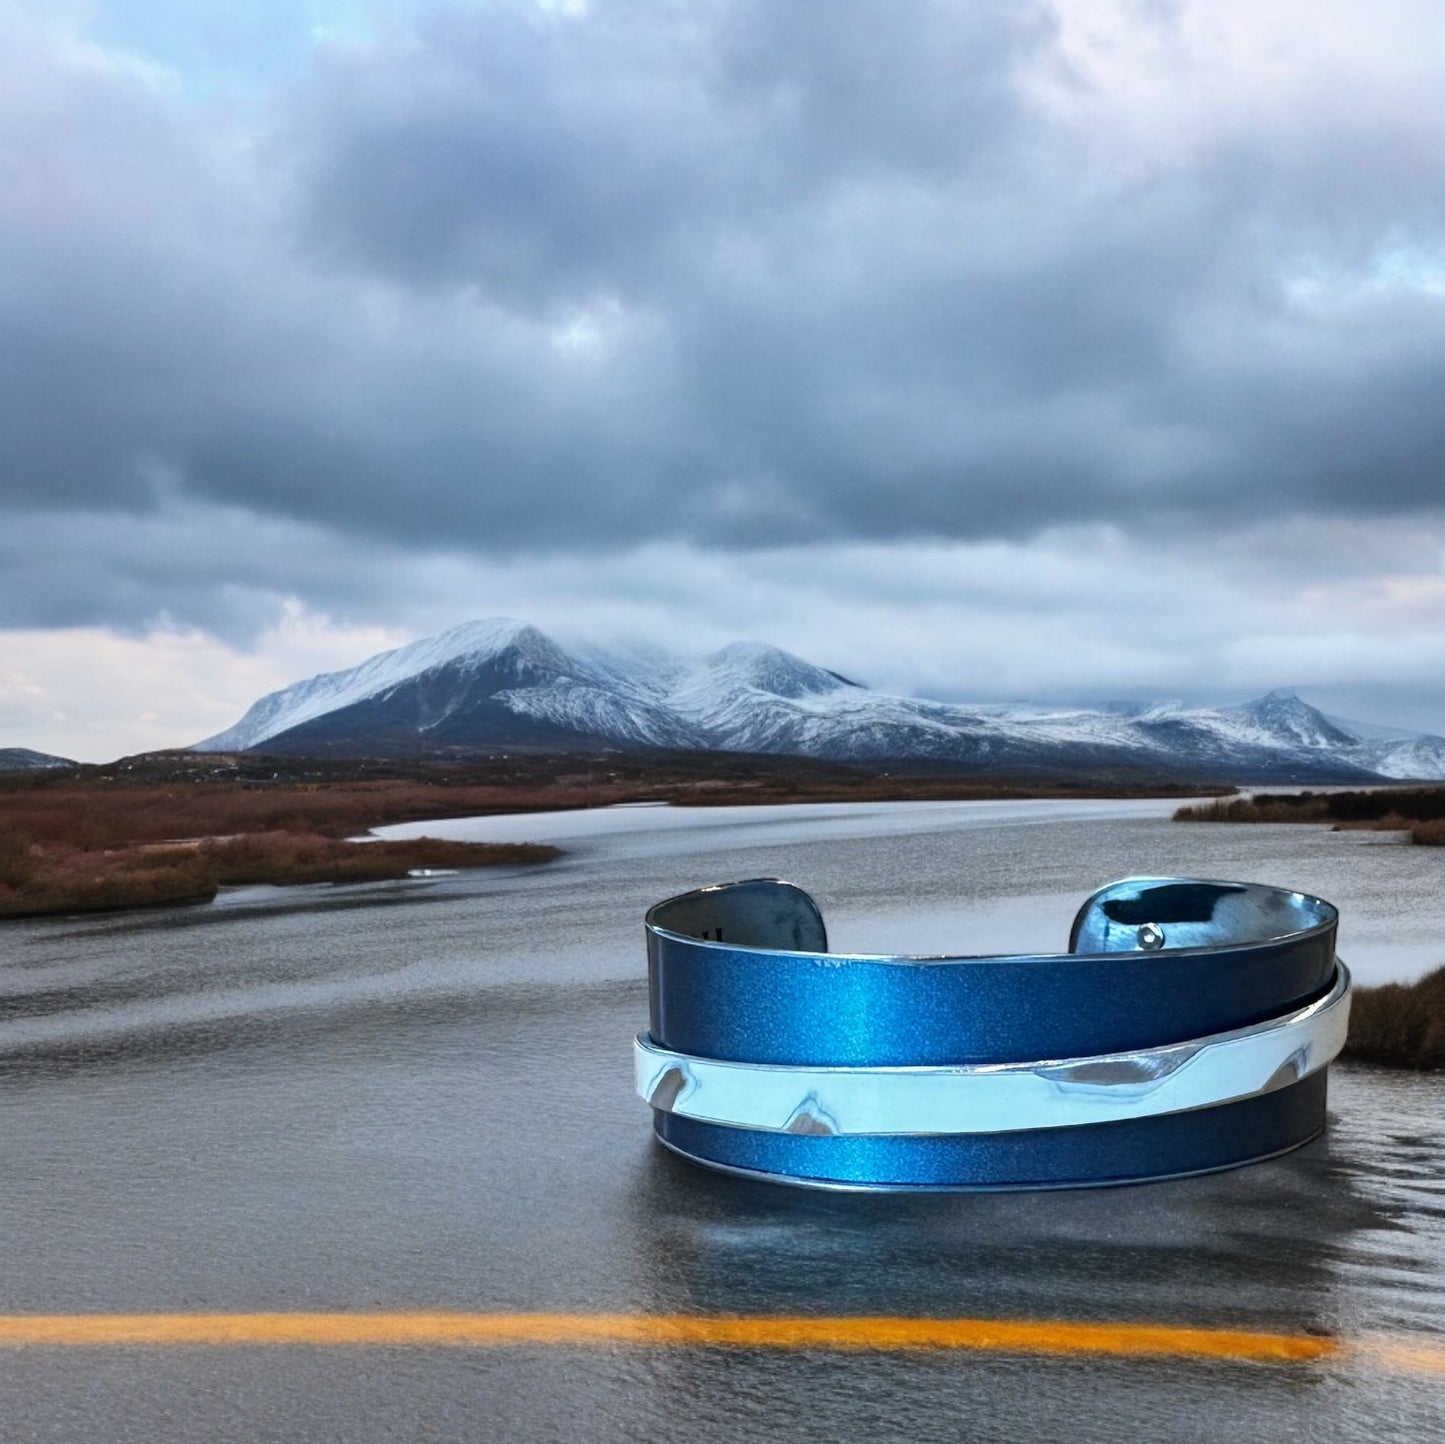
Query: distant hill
point(503, 683)
point(22, 759)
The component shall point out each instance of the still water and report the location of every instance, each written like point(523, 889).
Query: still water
point(418, 1096)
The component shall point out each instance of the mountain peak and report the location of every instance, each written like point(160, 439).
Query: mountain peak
point(479, 640)
point(1287, 718)
point(769, 669)
point(524, 653)
point(485, 634)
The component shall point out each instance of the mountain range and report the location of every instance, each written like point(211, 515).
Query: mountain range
point(490, 685)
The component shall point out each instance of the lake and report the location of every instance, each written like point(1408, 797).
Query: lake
point(418, 1096)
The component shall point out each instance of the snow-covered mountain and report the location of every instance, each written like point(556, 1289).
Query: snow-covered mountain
point(503, 683)
point(22, 759)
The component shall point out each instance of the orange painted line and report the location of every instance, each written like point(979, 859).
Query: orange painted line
point(1408, 1355)
point(857, 1333)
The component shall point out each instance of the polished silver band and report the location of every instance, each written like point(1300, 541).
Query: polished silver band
point(1000, 1098)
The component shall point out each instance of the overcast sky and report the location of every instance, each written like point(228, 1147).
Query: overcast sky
point(991, 350)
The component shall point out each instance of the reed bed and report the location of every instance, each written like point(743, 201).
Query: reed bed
point(88, 844)
point(1416, 811)
point(40, 879)
point(1401, 1025)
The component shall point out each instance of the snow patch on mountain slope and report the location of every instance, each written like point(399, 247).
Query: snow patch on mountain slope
point(1412, 759)
point(748, 697)
point(25, 759)
point(598, 712)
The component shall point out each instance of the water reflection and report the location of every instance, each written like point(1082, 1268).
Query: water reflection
point(1258, 1247)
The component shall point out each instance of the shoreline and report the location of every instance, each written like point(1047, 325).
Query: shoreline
point(169, 829)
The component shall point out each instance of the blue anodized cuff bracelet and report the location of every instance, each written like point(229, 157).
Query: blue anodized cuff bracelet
point(1188, 1029)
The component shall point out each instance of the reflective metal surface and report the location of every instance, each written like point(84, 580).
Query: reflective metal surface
point(1187, 1030)
point(999, 1098)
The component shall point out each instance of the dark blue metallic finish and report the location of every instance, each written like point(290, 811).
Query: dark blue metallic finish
point(766, 1006)
point(1130, 1151)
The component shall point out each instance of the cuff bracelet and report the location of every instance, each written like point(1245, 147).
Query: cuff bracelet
point(1187, 1029)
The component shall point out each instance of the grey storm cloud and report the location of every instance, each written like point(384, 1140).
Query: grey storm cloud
point(735, 274)
point(549, 162)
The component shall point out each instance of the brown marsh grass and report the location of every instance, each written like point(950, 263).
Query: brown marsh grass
point(39, 879)
point(1400, 1024)
point(1418, 811)
point(86, 845)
